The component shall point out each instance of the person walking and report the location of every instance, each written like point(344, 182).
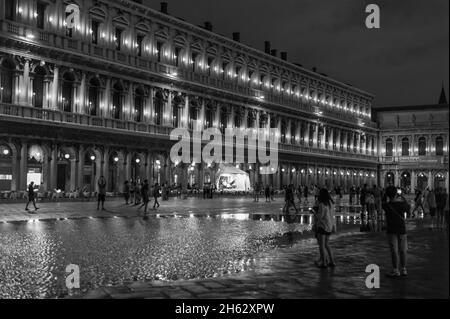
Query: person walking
point(144, 196)
point(156, 194)
point(137, 192)
point(324, 226)
point(441, 200)
point(31, 196)
point(256, 192)
point(132, 191)
point(395, 206)
point(267, 193)
point(272, 193)
point(289, 199)
point(126, 192)
point(431, 201)
point(101, 192)
point(418, 203)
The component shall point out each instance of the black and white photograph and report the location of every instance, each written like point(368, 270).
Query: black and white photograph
point(224, 155)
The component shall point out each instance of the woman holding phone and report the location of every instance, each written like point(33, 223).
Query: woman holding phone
point(324, 225)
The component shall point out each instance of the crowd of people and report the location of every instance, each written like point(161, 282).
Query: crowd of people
point(387, 206)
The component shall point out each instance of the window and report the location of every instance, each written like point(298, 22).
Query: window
point(237, 119)
point(6, 81)
point(208, 117)
point(292, 134)
point(117, 100)
point(69, 31)
point(158, 101)
point(38, 86)
point(439, 146)
point(10, 9)
point(139, 40)
point(94, 98)
point(250, 119)
point(40, 10)
point(118, 38)
point(389, 147)
point(192, 115)
point(67, 91)
point(158, 50)
point(223, 119)
point(405, 146)
point(422, 146)
point(139, 105)
point(94, 31)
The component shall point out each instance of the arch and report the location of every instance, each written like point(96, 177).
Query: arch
point(422, 181)
point(7, 174)
point(116, 159)
point(405, 181)
point(439, 181)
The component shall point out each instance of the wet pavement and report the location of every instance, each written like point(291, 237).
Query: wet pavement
point(290, 273)
point(216, 242)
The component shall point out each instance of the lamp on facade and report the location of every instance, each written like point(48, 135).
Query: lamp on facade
point(66, 156)
point(5, 151)
point(116, 159)
point(92, 158)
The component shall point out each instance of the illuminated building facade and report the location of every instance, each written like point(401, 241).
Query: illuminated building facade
point(92, 88)
point(414, 145)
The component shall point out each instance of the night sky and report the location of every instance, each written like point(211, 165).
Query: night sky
point(402, 63)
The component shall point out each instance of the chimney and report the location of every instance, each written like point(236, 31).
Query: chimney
point(273, 52)
point(267, 47)
point(237, 36)
point(208, 26)
point(284, 56)
point(164, 7)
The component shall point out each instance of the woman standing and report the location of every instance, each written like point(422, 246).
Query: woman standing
point(324, 225)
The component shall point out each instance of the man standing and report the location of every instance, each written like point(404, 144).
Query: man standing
point(144, 195)
point(31, 196)
point(395, 207)
point(101, 192)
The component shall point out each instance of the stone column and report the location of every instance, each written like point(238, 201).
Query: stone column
point(73, 174)
point(306, 134)
point(53, 166)
point(338, 140)
point(23, 166)
point(316, 135)
point(80, 162)
point(413, 180)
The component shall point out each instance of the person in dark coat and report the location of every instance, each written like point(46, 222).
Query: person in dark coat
point(31, 196)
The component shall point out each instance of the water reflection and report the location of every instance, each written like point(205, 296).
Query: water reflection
point(112, 251)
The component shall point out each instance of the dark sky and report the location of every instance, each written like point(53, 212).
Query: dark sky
point(402, 63)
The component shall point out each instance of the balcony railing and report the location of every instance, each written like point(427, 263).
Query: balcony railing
point(85, 47)
point(58, 116)
point(432, 159)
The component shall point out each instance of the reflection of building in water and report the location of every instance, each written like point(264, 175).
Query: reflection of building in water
point(102, 97)
point(414, 145)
